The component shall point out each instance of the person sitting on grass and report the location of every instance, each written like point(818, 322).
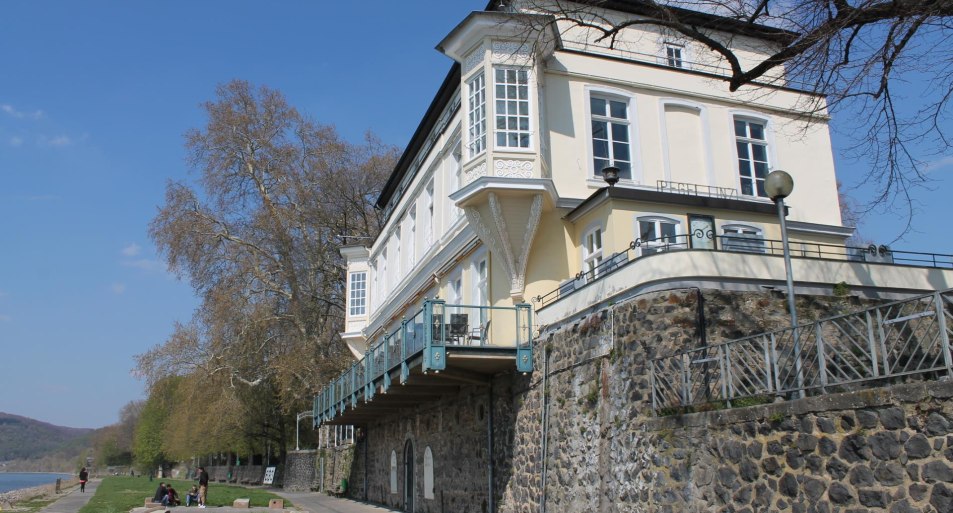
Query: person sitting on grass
point(172, 496)
point(192, 496)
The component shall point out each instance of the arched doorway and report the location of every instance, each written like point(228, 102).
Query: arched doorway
point(409, 477)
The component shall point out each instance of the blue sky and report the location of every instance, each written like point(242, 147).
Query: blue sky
point(94, 100)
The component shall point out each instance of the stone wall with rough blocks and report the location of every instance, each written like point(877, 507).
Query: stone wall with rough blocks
point(887, 449)
point(337, 463)
point(300, 471)
point(456, 430)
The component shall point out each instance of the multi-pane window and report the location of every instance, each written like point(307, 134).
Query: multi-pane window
point(412, 237)
point(752, 144)
point(739, 237)
point(456, 180)
point(673, 55)
point(398, 265)
point(358, 295)
point(659, 234)
point(592, 252)
point(512, 108)
point(476, 114)
point(430, 220)
point(610, 135)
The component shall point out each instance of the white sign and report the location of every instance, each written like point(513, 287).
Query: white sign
point(269, 475)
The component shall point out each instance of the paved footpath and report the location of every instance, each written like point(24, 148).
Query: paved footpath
point(73, 500)
point(314, 502)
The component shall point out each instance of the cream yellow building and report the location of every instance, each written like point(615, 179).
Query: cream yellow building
point(499, 220)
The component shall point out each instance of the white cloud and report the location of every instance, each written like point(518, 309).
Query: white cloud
point(60, 140)
point(145, 264)
point(118, 288)
point(12, 111)
point(940, 163)
point(16, 141)
point(131, 250)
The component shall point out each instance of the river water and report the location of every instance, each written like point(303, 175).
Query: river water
point(16, 480)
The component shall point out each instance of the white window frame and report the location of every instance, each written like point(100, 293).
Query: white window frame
point(375, 284)
point(384, 278)
point(595, 175)
point(431, 222)
point(592, 257)
point(768, 142)
point(357, 304)
point(669, 57)
point(398, 264)
point(742, 232)
point(476, 114)
point(660, 243)
point(455, 159)
point(480, 291)
point(412, 237)
point(455, 289)
point(519, 132)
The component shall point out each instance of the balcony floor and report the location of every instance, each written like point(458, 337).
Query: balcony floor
point(465, 366)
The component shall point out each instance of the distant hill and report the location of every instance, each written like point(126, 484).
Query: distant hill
point(23, 439)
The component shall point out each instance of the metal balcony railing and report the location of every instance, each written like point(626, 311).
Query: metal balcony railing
point(736, 243)
point(902, 341)
point(427, 334)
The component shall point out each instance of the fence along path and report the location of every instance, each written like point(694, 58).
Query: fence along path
point(897, 342)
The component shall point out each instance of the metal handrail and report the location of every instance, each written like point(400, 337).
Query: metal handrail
point(640, 248)
point(429, 331)
point(902, 340)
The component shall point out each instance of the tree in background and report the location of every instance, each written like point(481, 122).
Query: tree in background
point(258, 236)
point(884, 62)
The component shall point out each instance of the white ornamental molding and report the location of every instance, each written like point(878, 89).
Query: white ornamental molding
point(474, 173)
point(473, 60)
point(513, 168)
point(503, 51)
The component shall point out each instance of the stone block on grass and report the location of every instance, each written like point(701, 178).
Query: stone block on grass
point(242, 503)
point(276, 504)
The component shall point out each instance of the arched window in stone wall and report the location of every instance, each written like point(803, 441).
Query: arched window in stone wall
point(428, 473)
point(393, 472)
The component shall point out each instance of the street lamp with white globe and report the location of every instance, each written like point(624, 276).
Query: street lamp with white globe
point(779, 185)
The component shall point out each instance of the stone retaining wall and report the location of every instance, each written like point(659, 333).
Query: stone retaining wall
point(300, 471)
point(606, 451)
point(888, 449)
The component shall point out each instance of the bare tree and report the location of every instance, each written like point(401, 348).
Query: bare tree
point(854, 56)
point(258, 236)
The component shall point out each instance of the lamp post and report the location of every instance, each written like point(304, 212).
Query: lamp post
point(778, 185)
point(302, 415)
point(611, 175)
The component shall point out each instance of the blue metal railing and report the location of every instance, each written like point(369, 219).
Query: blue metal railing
point(429, 332)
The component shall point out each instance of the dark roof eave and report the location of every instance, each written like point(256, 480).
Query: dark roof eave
point(450, 84)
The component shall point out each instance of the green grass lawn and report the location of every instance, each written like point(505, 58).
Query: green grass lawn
point(119, 494)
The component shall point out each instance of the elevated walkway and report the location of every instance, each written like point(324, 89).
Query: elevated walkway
point(437, 350)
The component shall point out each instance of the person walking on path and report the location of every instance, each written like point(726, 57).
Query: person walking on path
point(72, 502)
point(83, 477)
point(203, 486)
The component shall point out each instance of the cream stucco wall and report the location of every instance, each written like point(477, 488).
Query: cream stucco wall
point(804, 150)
